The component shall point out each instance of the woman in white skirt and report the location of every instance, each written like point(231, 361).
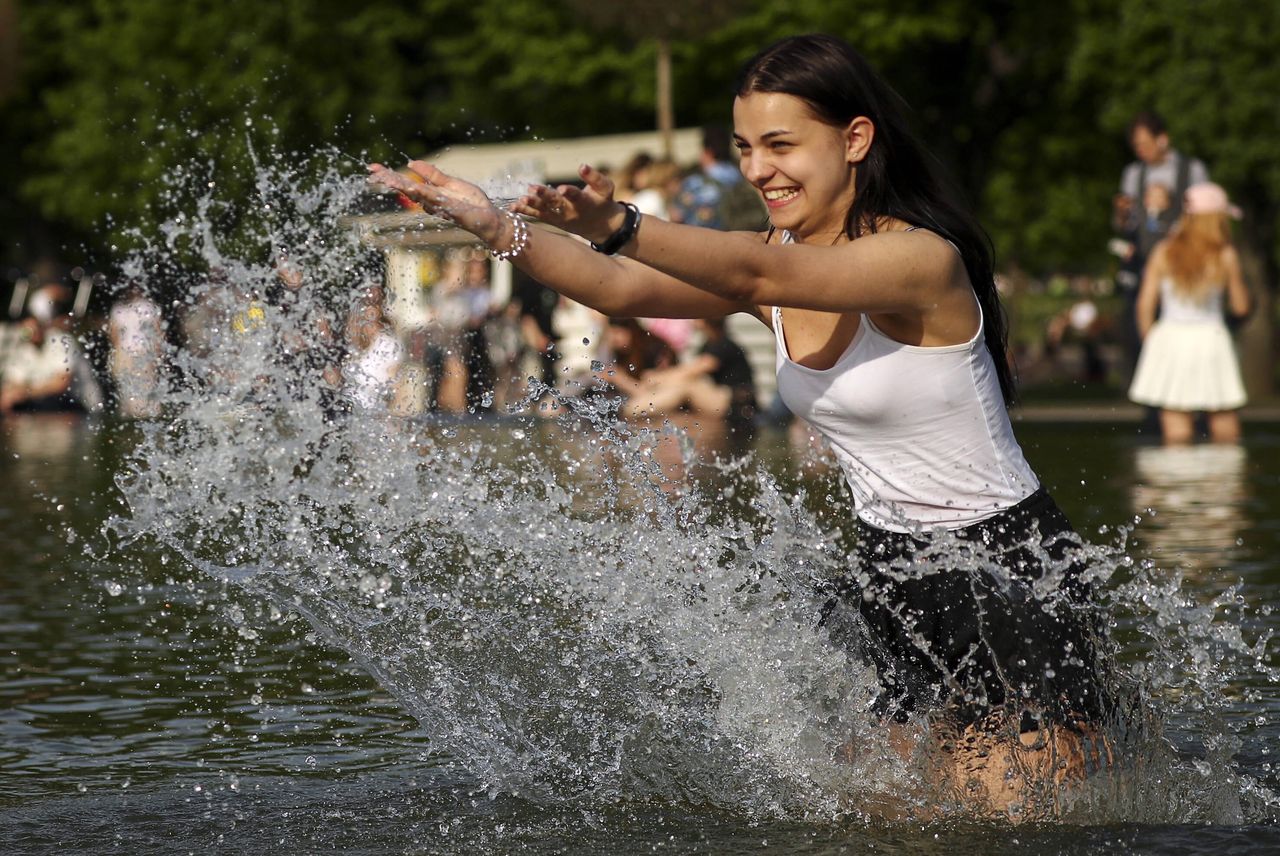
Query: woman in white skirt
point(1188, 363)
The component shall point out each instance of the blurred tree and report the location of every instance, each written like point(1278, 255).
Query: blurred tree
point(10, 47)
point(660, 22)
point(521, 69)
point(119, 94)
point(151, 85)
point(34, 62)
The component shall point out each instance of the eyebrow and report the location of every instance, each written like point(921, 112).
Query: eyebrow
point(767, 135)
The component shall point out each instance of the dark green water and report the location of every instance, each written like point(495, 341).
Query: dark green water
point(137, 715)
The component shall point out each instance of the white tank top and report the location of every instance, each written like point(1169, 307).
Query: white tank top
point(921, 433)
point(1183, 309)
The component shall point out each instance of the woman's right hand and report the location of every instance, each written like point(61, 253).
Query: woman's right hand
point(445, 196)
point(589, 212)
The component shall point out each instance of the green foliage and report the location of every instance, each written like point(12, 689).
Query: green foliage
point(1025, 103)
point(155, 85)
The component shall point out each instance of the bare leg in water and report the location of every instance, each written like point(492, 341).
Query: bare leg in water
point(990, 770)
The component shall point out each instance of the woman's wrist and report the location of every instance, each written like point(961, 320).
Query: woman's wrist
point(511, 238)
point(492, 228)
point(622, 230)
point(611, 225)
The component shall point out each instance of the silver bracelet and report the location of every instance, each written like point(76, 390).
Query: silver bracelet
point(519, 240)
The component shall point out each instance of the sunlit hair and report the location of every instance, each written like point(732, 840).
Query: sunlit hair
point(897, 178)
point(1193, 253)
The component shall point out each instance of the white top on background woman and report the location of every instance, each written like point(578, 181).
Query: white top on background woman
point(1188, 363)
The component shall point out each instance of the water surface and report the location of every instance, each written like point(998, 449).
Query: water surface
point(148, 706)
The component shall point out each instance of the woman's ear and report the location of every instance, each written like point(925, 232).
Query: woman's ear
point(858, 135)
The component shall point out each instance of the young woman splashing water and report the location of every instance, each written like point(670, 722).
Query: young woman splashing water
point(879, 289)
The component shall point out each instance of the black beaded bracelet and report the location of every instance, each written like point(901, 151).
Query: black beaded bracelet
point(625, 232)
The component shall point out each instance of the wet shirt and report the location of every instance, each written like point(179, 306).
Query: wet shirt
point(921, 433)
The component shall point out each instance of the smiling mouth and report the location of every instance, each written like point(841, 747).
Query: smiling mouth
point(780, 196)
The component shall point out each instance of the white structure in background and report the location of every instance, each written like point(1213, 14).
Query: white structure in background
point(414, 245)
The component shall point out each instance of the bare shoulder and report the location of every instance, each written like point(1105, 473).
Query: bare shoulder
point(931, 245)
point(934, 257)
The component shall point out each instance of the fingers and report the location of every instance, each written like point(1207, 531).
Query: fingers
point(596, 180)
point(427, 172)
point(520, 206)
point(379, 174)
point(542, 202)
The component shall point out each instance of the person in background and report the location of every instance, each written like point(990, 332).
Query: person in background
point(716, 383)
point(661, 182)
point(477, 362)
point(656, 201)
point(46, 371)
point(1158, 217)
point(1157, 163)
point(1083, 322)
point(1188, 363)
point(373, 362)
point(632, 355)
point(537, 309)
point(634, 175)
point(137, 349)
point(700, 201)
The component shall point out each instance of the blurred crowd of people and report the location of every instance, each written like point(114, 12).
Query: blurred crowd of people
point(470, 349)
point(472, 352)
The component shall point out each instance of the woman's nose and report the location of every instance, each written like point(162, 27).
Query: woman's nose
point(755, 168)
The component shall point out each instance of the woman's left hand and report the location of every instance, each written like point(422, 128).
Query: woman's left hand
point(589, 211)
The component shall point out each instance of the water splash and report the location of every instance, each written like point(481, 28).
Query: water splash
point(571, 614)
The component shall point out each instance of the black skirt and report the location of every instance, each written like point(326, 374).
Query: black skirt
point(949, 632)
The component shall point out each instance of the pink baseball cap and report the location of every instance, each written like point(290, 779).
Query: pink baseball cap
point(1209, 198)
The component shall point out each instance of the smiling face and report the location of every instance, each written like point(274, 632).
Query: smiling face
point(804, 167)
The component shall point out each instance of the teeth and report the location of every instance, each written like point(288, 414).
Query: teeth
point(775, 195)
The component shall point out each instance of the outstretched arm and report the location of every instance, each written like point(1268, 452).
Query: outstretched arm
point(894, 272)
point(614, 285)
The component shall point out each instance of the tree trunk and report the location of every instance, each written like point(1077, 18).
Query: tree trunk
point(666, 111)
point(1257, 337)
point(10, 57)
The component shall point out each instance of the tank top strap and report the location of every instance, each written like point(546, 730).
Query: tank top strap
point(953, 244)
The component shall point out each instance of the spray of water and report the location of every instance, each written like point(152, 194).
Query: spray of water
point(571, 615)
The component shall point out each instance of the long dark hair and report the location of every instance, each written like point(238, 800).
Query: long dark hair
point(898, 178)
